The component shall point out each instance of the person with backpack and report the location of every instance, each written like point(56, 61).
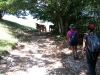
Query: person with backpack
point(91, 42)
point(72, 37)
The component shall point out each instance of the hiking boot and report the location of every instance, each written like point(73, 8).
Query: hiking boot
point(75, 56)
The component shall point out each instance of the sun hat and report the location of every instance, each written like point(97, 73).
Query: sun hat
point(71, 26)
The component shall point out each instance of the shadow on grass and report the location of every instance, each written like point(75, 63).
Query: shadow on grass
point(5, 43)
point(19, 31)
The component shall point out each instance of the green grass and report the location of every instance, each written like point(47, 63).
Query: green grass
point(11, 32)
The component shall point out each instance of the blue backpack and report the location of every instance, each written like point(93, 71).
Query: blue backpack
point(73, 37)
point(93, 42)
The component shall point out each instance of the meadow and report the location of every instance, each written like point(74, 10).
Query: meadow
point(11, 32)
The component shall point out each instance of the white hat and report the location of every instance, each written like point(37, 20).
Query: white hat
point(71, 26)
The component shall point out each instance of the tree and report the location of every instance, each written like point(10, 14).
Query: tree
point(16, 7)
point(60, 12)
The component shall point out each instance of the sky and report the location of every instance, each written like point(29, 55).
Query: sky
point(27, 22)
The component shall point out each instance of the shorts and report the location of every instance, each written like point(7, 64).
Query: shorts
point(73, 43)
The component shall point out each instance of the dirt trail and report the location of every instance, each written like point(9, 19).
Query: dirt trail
point(43, 56)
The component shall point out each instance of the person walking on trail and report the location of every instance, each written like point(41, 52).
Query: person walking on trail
point(72, 37)
point(91, 42)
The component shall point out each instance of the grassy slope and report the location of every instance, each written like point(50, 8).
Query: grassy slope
point(11, 32)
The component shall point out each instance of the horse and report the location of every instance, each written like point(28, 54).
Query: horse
point(41, 27)
point(51, 27)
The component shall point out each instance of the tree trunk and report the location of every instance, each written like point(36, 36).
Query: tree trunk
point(66, 26)
point(59, 28)
point(61, 24)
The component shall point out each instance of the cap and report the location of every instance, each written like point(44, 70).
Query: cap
point(91, 26)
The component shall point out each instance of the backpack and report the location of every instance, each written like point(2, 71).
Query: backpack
point(93, 42)
point(73, 37)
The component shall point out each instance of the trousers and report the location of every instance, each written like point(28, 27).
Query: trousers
point(91, 61)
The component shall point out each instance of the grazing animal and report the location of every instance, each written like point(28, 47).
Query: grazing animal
point(41, 27)
point(51, 27)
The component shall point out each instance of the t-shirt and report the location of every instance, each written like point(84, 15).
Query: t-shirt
point(85, 37)
point(69, 33)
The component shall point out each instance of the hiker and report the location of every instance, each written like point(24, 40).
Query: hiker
point(91, 54)
point(72, 37)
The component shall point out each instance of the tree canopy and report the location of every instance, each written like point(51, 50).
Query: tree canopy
point(60, 12)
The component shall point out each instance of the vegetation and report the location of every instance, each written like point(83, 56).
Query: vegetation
point(60, 12)
point(12, 32)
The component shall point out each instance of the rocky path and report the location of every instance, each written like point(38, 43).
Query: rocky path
point(43, 56)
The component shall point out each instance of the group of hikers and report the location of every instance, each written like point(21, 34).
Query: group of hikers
point(90, 48)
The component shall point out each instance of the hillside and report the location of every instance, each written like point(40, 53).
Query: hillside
point(33, 53)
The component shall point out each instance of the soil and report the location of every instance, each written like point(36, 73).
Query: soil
point(43, 55)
